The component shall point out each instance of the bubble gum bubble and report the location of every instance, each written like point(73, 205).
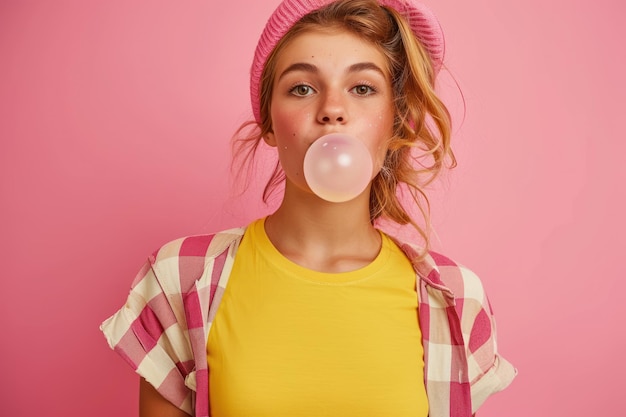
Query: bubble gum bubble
point(337, 167)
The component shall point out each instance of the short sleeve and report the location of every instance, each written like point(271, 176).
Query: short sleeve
point(149, 333)
point(488, 371)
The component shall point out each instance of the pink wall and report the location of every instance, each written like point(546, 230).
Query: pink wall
point(114, 126)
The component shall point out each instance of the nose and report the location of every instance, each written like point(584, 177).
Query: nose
point(332, 110)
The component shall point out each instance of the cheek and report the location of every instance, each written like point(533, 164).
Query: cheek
point(290, 132)
point(381, 127)
point(287, 123)
point(280, 120)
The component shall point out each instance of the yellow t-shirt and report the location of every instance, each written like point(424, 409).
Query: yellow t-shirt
point(289, 341)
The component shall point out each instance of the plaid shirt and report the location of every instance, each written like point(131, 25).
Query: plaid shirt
point(163, 328)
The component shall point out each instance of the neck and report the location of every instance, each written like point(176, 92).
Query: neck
point(330, 237)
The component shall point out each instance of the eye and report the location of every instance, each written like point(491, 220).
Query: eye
point(363, 90)
point(302, 90)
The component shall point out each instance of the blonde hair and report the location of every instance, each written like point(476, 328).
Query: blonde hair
point(422, 122)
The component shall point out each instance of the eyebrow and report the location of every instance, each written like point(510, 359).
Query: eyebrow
point(361, 66)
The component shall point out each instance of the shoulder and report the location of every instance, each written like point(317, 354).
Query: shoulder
point(185, 260)
point(207, 245)
point(154, 330)
point(488, 372)
point(461, 280)
point(443, 273)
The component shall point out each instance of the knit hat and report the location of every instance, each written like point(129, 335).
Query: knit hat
point(423, 23)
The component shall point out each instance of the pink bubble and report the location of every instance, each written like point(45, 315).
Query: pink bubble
point(337, 167)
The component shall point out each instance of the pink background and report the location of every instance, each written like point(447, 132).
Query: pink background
point(114, 125)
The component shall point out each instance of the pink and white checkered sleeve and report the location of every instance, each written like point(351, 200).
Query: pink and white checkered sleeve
point(488, 372)
point(149, 331)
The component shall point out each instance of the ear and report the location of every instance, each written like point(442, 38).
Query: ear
point(270, 139)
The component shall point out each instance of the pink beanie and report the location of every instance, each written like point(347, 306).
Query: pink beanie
point(423, 22)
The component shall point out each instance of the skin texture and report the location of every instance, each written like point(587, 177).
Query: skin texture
point(320, 89)
point(152, 404)
point(327, 80)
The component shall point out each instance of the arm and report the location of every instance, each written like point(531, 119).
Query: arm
point(490, 372)
point(152, 404)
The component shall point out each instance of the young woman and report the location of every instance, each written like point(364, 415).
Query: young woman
point(313, 311)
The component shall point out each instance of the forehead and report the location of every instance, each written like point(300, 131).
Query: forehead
point(330, 47)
